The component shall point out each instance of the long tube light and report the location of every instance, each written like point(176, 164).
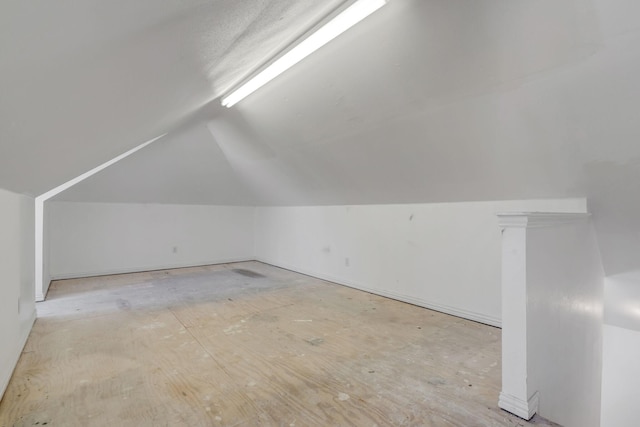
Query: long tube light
point(338, 25)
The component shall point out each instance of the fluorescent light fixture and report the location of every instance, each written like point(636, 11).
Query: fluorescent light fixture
point(338, 25)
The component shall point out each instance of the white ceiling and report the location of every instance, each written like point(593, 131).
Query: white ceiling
point(184, 167)
point(84, 81)
point(424, 101)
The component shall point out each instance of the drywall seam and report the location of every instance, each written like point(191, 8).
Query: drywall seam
point(109, 272)
point(5, 377)
point(465, 314)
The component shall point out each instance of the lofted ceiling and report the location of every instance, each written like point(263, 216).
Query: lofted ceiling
point(184, 167)
point(84, 81)
point(424, 101)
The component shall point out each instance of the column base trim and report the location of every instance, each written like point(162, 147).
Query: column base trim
point(519, 407)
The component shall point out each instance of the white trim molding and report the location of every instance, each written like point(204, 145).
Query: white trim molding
point(525, 409)
point(141, 269)
point(538, 219)
point(431, 305)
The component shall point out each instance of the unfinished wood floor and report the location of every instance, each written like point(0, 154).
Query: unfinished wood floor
point(249, 345)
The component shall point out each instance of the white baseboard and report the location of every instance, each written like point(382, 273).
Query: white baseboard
point(6, 374)
point(108, 272)
point(525, 409)
point(41, 294)
point(458, 312)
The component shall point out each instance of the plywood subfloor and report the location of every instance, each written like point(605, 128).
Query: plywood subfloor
point(248, 345)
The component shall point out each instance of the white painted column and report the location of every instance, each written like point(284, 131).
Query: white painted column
point(39, 257)
point(519, 393)
point(516, 396)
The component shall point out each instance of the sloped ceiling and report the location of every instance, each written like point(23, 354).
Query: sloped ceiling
point(424, 101)
point(84, 81)
point(431, 101)
point(184, 167)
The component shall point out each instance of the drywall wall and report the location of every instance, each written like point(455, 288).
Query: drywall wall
point(621, 350)
point(88, 239)
point(620, 374)
point(17, 274)
point(441, 256)
point(565, 298)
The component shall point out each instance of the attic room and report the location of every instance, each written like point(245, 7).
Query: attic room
point(431, 218)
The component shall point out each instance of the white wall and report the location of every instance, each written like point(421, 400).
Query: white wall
point(17, 267)
point(440, 256)
point(88, 239)
point(621, 373)
point(565, 294)
point(621, 350)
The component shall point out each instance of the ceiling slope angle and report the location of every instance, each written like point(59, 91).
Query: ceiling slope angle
point(83, 82)
point(408, 107)
point(451, 101)
point(424, 101)
point(184, 167)
point(404, 108)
